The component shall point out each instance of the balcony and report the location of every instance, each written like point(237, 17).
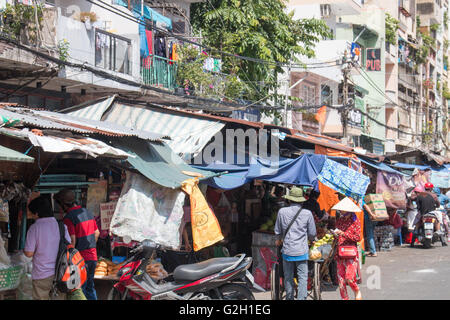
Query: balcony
point(429, 12)
point(159, 71)
point(112, 52)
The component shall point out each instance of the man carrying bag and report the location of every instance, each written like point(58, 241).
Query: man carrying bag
point(294, 227)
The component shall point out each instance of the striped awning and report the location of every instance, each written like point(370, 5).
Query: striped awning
point(188, 134)
point(93, 111)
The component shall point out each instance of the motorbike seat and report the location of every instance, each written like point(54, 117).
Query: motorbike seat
point(196, 271)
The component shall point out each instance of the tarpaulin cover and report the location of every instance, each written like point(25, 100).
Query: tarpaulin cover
point(441, 178)
point(7, 154)
point(234, 178)
point(343, 179)
point(151, 14)
point(410, 166)
point(381, 166)
point(146, 211)
point(158, 163)
point(300, 171)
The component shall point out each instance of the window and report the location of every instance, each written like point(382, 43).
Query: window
point(308, 95)
point(112, 52)
point(326, 95)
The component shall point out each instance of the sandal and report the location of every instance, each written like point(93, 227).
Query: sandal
point(372, 255)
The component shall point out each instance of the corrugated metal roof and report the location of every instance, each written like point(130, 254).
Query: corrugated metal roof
point(91, 111)
point(65, 122)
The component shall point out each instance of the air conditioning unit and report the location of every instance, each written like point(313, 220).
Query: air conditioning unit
point(325, 10)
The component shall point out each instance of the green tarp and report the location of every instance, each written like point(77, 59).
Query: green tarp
point(157, 162)
point(7, 154)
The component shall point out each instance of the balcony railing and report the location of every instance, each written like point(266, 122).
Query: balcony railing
point(112, 52)
point(159, 71)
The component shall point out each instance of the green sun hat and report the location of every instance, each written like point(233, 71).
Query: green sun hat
point(295, 194)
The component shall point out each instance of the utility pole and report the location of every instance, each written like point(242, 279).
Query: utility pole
point(288, 83)
point(344, 115)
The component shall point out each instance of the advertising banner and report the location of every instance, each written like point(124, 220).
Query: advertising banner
point(392, 187)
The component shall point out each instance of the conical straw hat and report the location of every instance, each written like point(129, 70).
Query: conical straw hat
point(346, 205)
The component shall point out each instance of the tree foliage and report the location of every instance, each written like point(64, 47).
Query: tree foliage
point(260, 29)
point(392, 25)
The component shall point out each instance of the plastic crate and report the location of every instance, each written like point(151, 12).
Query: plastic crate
point(10, 278)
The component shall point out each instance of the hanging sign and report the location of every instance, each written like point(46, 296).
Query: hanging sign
point(106, 214)
point(373, 59)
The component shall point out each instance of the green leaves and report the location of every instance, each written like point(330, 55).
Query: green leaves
point(392, 26)
point(261, 29)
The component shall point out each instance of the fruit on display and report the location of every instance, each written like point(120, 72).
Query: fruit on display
point(269, 224)
point(327, 239)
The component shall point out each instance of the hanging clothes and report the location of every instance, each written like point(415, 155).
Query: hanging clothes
point(174, 52)
point(148, 35)
point(160, 47)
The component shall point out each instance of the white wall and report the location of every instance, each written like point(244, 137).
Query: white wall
point(82, 41)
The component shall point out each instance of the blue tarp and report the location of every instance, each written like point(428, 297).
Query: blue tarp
point(382, 166)
point(300, 171)
point(149, 13)
point(234, 178)
point(344, 179)
point(410, 166)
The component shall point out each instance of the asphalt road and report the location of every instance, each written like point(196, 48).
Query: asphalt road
point(403, 273)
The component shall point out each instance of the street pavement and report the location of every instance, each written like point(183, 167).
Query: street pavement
point(403, 273)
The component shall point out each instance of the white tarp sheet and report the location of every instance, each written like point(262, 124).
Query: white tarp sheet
point(147, 211)
point(90, 146)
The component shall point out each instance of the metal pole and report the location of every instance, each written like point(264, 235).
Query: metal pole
point(288, 83)
point(344, 114)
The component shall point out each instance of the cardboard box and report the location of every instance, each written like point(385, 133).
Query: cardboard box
point(376, 204)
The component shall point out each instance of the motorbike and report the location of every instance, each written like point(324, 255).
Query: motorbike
point(225, 278)
point(427, 233)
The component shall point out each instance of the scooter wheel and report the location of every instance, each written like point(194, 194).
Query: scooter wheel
point(427, 243)
point(114, 294)
point(234, 291)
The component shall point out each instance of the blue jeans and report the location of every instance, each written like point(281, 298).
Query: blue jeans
point(370, 226)
point(302, 278)
point(88, 286)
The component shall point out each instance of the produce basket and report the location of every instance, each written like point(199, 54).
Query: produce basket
point(10, 278)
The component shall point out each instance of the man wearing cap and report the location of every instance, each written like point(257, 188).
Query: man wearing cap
point(83, 233)
point(295, 243)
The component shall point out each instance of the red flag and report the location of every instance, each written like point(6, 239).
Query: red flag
point(321, 115)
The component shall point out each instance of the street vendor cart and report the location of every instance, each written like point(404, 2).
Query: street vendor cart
point(318, 269)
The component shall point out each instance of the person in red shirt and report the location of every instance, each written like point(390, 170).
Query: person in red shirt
point(83, 233)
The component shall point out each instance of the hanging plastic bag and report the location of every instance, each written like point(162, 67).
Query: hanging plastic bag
point(205, 227)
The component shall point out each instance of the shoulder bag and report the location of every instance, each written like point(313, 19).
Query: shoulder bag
point(347, 252)
point(290, 223)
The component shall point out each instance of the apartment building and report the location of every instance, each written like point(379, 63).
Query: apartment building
point(353, 23)
point(103, 48)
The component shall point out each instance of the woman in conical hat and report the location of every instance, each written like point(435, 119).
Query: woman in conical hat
point(348, 228)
